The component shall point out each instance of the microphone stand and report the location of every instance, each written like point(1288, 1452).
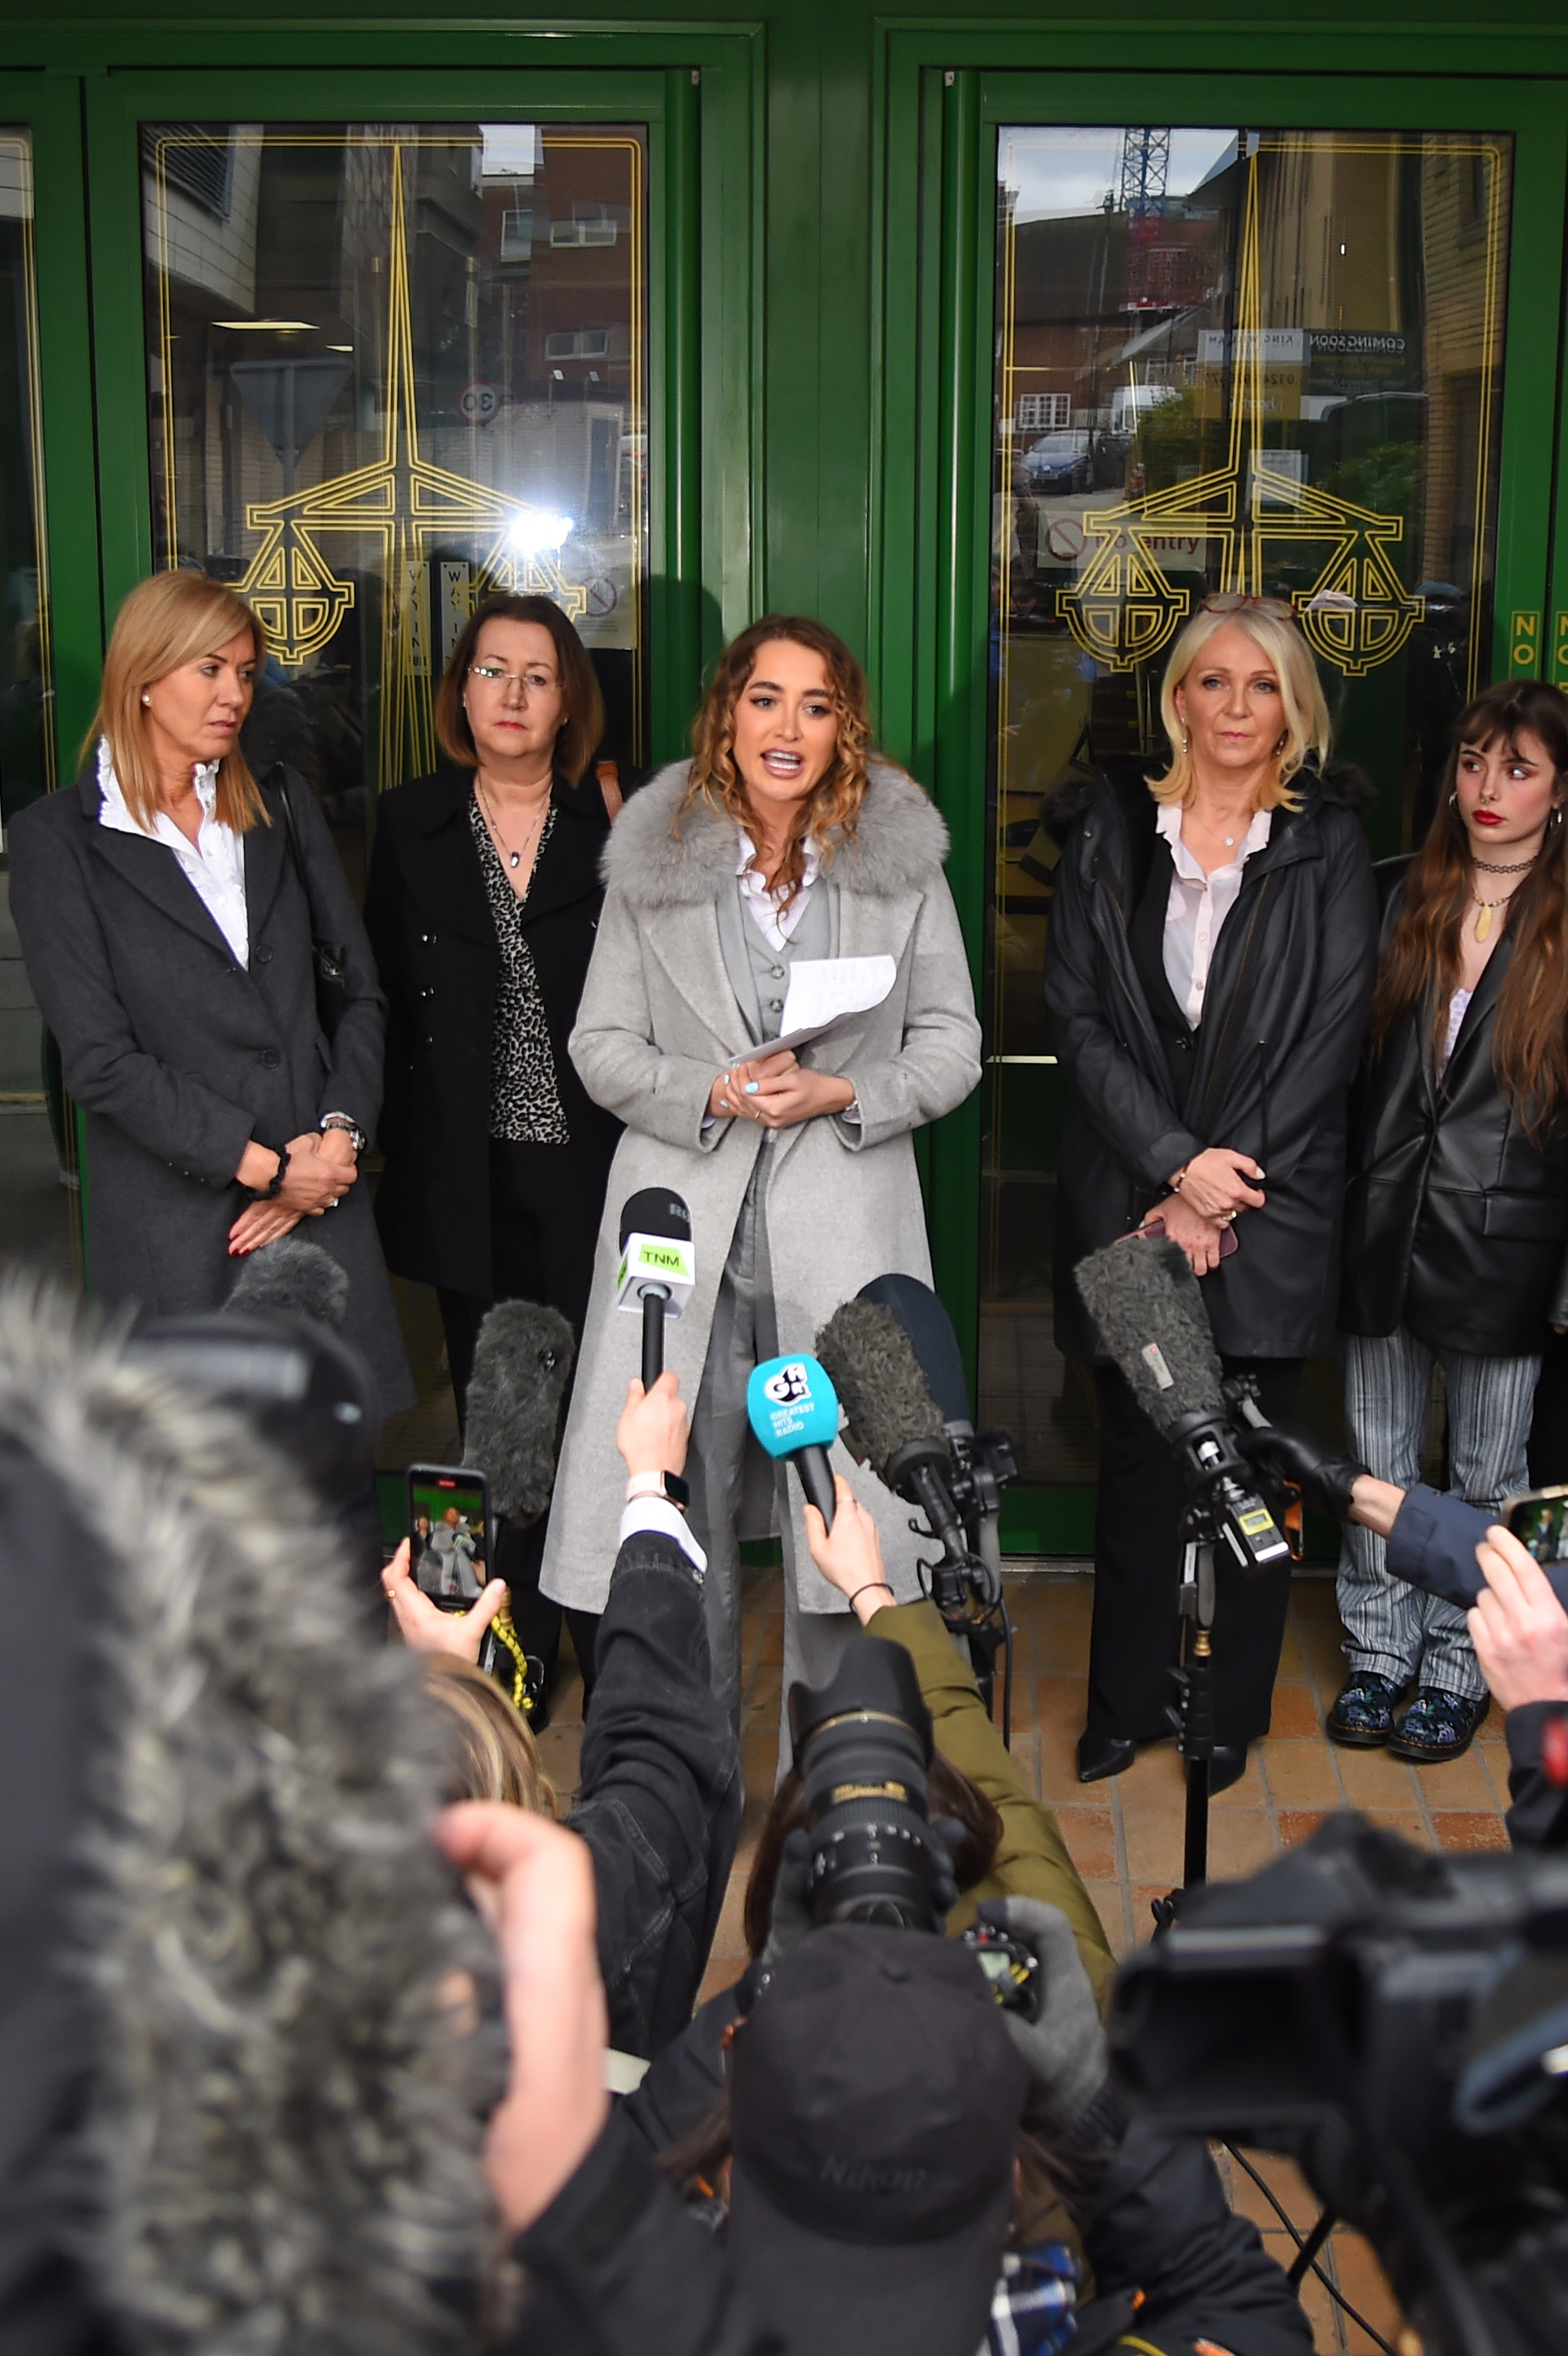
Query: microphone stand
point(1194, 1711)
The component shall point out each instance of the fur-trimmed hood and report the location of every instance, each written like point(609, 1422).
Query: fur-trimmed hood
point(280, 2150)
point(899, 846)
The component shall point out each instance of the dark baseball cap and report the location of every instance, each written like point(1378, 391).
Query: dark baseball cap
point(875, 2099)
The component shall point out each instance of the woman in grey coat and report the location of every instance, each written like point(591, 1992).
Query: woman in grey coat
point(780, 841)
point(167, 923)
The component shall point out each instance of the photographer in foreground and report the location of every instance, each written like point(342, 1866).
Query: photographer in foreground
point(876, 2174)
point(658, 1799)
point(1456, 1551)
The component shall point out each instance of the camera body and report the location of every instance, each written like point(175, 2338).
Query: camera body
point(1397, 2022)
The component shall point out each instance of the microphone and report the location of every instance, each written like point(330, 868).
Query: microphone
point(1143, 1296)
point(656, 1271)
point(794, 1410)
point(932, 1340)
point(522, 1357)
point(307, 1390)
point(291, 1278)
point(893, 1423)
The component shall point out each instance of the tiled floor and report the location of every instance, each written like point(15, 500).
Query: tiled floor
point(1125, 1836)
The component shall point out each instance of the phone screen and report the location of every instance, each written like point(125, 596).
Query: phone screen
point(447, 1546)
point(1539, 1520)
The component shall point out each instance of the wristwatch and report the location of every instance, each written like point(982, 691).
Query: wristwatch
point(350, 1128)
point(659, 1485)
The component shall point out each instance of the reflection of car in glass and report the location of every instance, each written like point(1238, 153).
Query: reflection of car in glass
point(1062, 462)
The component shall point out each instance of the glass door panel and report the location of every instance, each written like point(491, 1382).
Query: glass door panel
point(39, 1187)
point(391, 366)
point(1257, 361)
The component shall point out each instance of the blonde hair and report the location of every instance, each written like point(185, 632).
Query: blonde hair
point(1271, 628)
point(164, 623)
point(494, 1756)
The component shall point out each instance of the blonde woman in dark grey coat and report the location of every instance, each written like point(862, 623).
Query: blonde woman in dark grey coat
point(167, 927)
point(783, 838)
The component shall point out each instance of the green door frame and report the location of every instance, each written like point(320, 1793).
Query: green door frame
point(50, 111)
point(686, 620)
point(937, 378)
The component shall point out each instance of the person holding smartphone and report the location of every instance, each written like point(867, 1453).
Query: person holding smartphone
point(1208, 967)
point(1457, 1212)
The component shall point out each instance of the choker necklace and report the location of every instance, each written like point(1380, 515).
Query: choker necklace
point(1519, 867)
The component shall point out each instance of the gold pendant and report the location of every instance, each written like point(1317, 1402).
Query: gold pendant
point(1483, 922)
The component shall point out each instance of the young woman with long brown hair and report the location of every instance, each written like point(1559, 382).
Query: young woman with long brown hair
point(1456, 1216)
point(782, 839)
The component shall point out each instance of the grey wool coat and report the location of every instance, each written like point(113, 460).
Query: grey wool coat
point(657, 1020)
point(178, 1056)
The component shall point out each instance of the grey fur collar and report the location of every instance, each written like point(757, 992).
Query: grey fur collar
point(281, 2152)
point(898, 847)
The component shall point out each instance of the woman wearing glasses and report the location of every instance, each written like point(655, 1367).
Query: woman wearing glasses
point(1457, 1216)
point(1211, 957)
point(482, 903)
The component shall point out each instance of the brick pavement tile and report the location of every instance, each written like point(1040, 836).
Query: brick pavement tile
point(1373, 1780)
point(730, 1938)
point(1493, 1727)
point(1495, 1764)
point(1140, 1901)
point(1300, 1774)
point(1059, 1768)
point(1061, 1648)
point(1468, 1828)
point(1461, 1782)
point(1240, 1840)
point(1059, 1705)
point(1292, 1659)
point(1249, 1793)
point(1294, 1712)
point(1410, 1825)
point(722, 1973)
point(1364, 2284)
point(1322, 2315)
point(1153, 1841)
point(1155, 1778)
point(1288, 2184)
point(1298, 1824)
point(1091, 1838)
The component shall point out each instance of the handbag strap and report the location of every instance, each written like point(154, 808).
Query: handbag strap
point(296, 856)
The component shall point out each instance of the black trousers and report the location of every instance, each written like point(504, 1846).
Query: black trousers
point(545, 1206)
point(1134, 1641)
point(1549, 1427)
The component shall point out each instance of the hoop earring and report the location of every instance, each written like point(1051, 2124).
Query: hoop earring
point(1454, 801)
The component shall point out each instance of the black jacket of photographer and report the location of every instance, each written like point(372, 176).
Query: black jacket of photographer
point(434, 939)
point(1267, 1071)
point(1456, 1218)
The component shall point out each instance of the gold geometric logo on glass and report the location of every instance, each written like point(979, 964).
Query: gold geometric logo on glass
point(1123, 607)
point(407, 502)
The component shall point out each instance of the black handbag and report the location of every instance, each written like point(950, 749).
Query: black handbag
point(329, 959)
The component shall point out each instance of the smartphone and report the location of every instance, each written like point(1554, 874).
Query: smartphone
point(449, 1533)
point(1539, 1520)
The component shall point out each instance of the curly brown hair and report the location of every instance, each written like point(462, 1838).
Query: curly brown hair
point(832, 810)
point(1420, 966)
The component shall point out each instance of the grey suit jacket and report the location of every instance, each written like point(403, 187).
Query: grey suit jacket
point(178, 1056)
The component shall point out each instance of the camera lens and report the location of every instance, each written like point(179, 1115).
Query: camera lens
point(862, 1745)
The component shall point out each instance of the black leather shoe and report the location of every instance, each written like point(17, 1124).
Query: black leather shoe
point(1227, 1765)
point(1100, 1755)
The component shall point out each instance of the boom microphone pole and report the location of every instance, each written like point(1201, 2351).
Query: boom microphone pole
point(1144, 1297)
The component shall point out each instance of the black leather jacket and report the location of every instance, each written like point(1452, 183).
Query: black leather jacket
point(1456, 1219)
point(1273, 1056)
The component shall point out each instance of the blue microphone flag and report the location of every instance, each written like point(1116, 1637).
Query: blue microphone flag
point(792, 1404)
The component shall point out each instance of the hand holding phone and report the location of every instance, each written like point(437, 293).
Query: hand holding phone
point(1538, 1518)
point(449, 1533)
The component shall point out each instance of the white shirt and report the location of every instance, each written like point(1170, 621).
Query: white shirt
point(214, 864)
point(1459, 1007)
point(774, 922)
point(659, 1515)
point(1198, 907)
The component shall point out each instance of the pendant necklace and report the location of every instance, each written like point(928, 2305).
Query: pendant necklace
point(514, 858)
point(1487, 867)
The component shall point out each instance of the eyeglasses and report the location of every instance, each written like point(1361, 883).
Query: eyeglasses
point(1229, 602)
point(527, 682)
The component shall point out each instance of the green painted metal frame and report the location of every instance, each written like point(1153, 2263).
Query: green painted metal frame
point(687, 279)
point(935, 429)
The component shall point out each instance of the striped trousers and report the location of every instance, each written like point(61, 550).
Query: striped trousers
point(1389, 1626)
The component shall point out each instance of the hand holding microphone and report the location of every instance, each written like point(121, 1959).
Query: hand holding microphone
point(794, 1410)
point(850, 1555)
point(654, 1429)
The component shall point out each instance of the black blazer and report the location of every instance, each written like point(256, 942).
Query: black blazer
point(1271, 1061)
point(434, 939)
point(1456, 1220)
point(178, 1056)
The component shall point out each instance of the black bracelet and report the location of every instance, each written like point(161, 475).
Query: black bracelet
point(269, 1193)
point(871, 1587)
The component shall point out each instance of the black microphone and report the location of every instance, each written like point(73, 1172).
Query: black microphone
point(291, 1278)
point(657, 1270)
point(1143, 1296)
point(893, 1423)
point(522, 1357)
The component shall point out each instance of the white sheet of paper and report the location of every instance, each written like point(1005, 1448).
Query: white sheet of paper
point(822, 991)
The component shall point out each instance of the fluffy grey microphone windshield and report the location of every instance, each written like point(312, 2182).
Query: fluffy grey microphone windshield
point(521, 1360)
point(289, 1279)
point(1145, 1299)
point(869, 1360)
